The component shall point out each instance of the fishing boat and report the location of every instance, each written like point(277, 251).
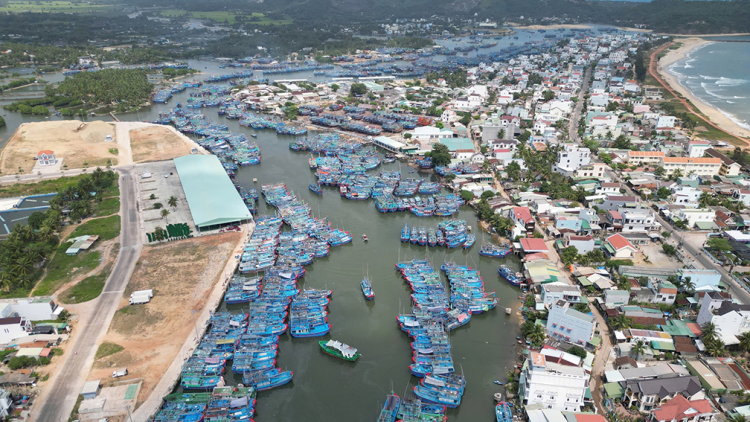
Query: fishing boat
point(494, 251)
point(470, 239)
point(405, 233)
point(503, 412)
point(254, 135)
point(510, 276)
point(367, 289)
point(390, 408)
point(315, 187)
point(339, 350)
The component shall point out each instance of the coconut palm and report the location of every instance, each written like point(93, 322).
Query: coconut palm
point(620, 322)
point(715, 348)
point(537, 335)
point(737, 418)
point(709, 332)
point(744, 339)
point(688, 285)
point(172, 201)
point(164, 213)
point(638, 348)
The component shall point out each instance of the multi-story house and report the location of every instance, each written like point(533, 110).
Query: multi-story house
point(663, 291)
point(651, 393)
point(608, 189)
point(13, 328)
point(583, 244)
point(522, 216)
point(698, 148)
point(729, 318)
point(552, 385)
point(567, 324)
point(616, 202)
point(693, 217)
point(590, 170)
point(570, 159)
point(728, 167)
point(638, 220)
point(689, 165)
point(554, 292)
point(639, 158)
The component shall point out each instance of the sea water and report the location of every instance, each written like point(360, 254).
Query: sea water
point(717, 74)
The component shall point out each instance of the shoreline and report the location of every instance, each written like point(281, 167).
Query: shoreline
point(711, 112)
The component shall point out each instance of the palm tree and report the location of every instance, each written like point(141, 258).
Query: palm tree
point(688, 285)
point(620, 322)
point(164, 213)
point(172, 201)
point(638, 348)
point(536, 335)
point(744, 341)
point(715, 348)
point(709, 332)
point(737, 418)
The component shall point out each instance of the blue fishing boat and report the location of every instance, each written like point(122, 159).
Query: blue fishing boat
point(470, 239)
point(503, 412)
point(405, 233)
point(315, 187)
point(367, 289)
point(510, 276)
point(494, 251)
point(390, 408)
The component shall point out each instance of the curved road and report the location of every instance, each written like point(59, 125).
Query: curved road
point(59, 397)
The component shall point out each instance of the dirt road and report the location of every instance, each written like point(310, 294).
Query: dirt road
point(57, 400)
point(600, 362)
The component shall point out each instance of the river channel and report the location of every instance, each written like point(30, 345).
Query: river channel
point(325, 388)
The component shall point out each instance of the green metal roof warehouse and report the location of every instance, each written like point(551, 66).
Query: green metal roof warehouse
point(212, 197)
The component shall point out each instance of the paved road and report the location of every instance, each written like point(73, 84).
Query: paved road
point(694, 252)
point(600, 362)
point(60, 395)
point(573, 128)
point(35, 177)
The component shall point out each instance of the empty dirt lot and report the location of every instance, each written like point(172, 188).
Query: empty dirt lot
point(182, 275)
point(157, 143)
point(64, 138)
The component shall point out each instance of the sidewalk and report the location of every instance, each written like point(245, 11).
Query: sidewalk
point(172, 376)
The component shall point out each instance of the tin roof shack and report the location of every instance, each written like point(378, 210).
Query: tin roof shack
point(81, 243)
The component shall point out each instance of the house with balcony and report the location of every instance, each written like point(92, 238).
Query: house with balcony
point(608, 189)
point(570, 159)
point(552, 385)
point(590, 170)
point(522, 216)
point(612, 219)
point(556, 291)
point(728, 167)
point(663, 291)
point(638, 220)
point(689, 165)
point(645, 158)
point(648, 394)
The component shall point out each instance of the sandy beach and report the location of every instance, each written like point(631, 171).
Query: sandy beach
point(688, 45)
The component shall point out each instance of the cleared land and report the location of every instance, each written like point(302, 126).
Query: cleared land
point(226, 16)
point(182, 274)
point(77, 148)
point(53, 6)
point(157, 143)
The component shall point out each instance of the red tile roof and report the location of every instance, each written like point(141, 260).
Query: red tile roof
point(676, 409)
point(523, 214)
point(584, 417)
point(618, 242)
point(531, 244)
point(46, 151)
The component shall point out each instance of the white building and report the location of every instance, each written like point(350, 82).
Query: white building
point(729, 318)
point(698, 148)
point(692, 216)
point(638, 220)
point(570, 159)
point(554, 292)
point(13, 328)
point(567, 324)
point(6, 404)
point(33, 308)
point(430, 133)
point(551, 385)
point(590, 170)
point(690, 165)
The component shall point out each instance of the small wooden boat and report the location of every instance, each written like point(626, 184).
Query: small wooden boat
point(315, 187)
point(508, 311)
point(364, 237)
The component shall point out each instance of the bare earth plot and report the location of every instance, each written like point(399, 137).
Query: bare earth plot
point(157, 143)
point(64, 138)
point(182, 275)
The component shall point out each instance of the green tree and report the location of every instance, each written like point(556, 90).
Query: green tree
point(358, 89)
point(440, 155)
point(719, 244)
point(663, 193)
point(335, 87)
point(487, 194)
point(172, 201)
point(514, 171)
point(465, 120)
point(708, 332)
point(639, 347)
point(36, 219)
point(744, 339)
point(536, 335)
point(620, 322)
point(548, 95)
point(466, 195)
point(578, 351)
point(622, 142)
point(659, 171)
point(569, 255)
point(669, 249)
point(164, 213)
point(439, 125)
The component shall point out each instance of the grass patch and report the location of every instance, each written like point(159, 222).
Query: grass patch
point(44, 186)
point(53, 7)
point(107, 349)
point(108, 206)
point(64, 267)
point(74, 412)
point(114, 151)
point(107, 228)
point(88, 289)
point(226, 16)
